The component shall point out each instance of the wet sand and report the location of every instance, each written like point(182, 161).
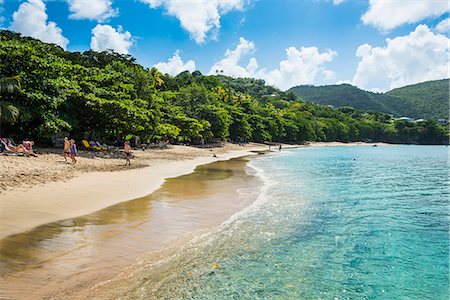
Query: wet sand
point(50, 166)
point(64, 259)
point(22, 209)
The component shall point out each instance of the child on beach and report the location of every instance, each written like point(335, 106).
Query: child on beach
point(66, 148)
point(127, 150)
point(73, 151)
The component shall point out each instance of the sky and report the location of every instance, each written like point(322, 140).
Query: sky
point(376, 45)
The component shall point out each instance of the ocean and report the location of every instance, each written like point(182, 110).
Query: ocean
point(329, 223)
point(348, 222)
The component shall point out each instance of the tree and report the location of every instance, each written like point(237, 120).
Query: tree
point(8, 112)
point(109, 96)
point(157, 77)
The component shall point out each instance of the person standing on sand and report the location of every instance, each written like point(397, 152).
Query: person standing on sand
point(66, 148)
point(127, 150)
point(73, 151)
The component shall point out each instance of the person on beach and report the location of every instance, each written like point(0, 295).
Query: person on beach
point(279, 147)
point(28, 148)
point(66, 148)
point(166, 141)
point(10, 145)
point(127, 150)
point(73, 151)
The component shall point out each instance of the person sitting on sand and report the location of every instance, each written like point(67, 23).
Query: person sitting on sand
point(127, 151)
point(66, 148)
point(28, 148)
point(166, 141)
point(73, 151)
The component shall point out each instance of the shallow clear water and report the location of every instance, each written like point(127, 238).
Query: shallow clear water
point(64, 259)
point(331, 222)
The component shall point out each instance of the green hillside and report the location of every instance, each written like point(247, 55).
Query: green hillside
point(427, 100)
point(343, 95)
point(109, 97)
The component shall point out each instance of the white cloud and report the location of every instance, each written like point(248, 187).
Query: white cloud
point(329, 75)
point(302, 66)
point(389, 14)
point(31, 20)
point(200, 16)
point(419, 56)
point(99, 10)
point(443, 26)
point(175, 65)
point(337, 2)
point(106, 37)
point(230, 63)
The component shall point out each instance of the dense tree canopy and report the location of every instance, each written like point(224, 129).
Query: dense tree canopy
point(106, 96)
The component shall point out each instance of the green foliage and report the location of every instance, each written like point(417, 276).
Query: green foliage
point(8, 112)
point(166, 130)
point(107, 96)
point(344, 95)
point(427, 100)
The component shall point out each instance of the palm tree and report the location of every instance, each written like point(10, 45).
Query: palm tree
point(8, 112)
point(157, 77)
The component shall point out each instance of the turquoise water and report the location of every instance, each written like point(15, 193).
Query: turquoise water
point(331, 222)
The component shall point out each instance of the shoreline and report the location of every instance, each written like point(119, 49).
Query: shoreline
point(110, 242)
point(97, 257)
point(26, 207)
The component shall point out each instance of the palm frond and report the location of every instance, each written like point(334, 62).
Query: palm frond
point(8, 112)
point(10, 84)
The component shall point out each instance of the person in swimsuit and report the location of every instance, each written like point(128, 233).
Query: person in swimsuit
point(66, 148)
point(127, 151)
point(73, 151)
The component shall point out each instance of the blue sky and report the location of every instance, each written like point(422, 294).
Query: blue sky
point(285, 42)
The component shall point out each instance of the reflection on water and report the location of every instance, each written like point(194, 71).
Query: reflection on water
point(100, 244)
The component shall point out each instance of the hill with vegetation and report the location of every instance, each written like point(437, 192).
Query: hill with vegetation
point(109, 97)
point(427, 100)
point(342, 95)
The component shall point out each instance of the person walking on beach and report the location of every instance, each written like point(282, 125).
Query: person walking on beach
point(66, 148)
point(127, 150)
point(73, 151)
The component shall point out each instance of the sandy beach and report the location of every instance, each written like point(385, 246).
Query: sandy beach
point(57, 190)
point(50, 165)
point(44, 189)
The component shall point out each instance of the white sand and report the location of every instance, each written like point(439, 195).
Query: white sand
point(22, 209)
